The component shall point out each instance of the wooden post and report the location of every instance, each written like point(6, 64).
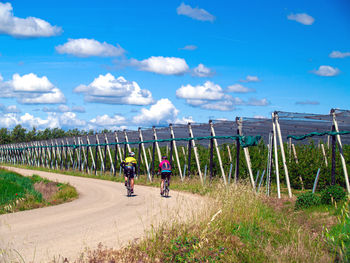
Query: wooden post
point(341, 152)
point(238, 148)
point(276, 156)
point(109, 154)
point(324, 155)
point(229, 153)
point(296, 161)
point(218, 152)
point(211, 155)
point(175, 148)
point(119, 148)
point(100, 153)
point(333, 157)
point(283, 155)
point(157, 145)
point(91, 154)
point(195, 153)
point(127, 140)
point(189, 158)
point(246, 155)
point(269, 163)
point(144, 155)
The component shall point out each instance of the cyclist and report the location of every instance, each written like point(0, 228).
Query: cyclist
point(165, 171)
point(129, 166)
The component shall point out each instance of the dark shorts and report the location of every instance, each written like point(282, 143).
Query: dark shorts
point(129, 172)
point(165, 174)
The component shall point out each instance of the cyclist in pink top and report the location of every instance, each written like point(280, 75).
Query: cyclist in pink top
point(165, 171)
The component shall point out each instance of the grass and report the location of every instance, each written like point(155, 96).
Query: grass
point(18, 193)
point(237, 226)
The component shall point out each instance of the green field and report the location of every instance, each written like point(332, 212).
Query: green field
point(18, 193)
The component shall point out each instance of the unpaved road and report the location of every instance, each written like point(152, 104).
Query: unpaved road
point(102, 213)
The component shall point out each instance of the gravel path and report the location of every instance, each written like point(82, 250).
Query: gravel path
point(102, 213)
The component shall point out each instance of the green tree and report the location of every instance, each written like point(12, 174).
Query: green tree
point(4, 136)
point(18, 134)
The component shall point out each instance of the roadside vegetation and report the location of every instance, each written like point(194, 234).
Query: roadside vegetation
point(18, 193)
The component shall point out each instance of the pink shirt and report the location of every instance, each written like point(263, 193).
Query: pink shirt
point(166, 166)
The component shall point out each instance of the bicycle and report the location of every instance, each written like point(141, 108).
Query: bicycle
point(128, 187)
point(165, 189)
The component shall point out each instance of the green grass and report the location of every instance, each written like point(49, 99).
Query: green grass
point(17, 193)
point(236, 226)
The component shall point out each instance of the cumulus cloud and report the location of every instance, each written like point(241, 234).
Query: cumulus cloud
point(202, 71)
point(105, 120)
point(195, 13)
point(189, 47)
point(70, 119)
point(211, 96)
point(250, 79)
point(338, 54)
point(326, 71)
point(208, 91)
point(31, 89)
point(162, 112)
point(259, 117)
point(162, 65)
point(237, 88)
point(307, 102)
point(107, 89)
point(84, 47)
point(29, 27)
point(9, 109)
point(303, 18)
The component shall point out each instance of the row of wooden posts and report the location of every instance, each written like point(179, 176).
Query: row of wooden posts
point(62, 155)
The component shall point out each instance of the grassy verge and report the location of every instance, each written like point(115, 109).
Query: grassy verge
point(18, 193)
point(237, 226)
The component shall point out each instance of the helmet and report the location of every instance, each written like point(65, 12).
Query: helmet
point(132, 154)
point(164, 157)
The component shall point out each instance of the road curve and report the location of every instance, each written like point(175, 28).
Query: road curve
point(102, 213)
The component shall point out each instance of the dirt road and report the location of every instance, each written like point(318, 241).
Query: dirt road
point(102, 213)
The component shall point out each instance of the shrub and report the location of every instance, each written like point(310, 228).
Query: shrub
point(306, 200)
point(335, 192)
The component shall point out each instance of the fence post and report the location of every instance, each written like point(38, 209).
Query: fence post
point(238, 148)
point(195, 153)
point(175, 148)
point(283, 155)
point(218, 152)
point(189, 157)
point(246, 154)
point(276, 156)
point(341, 152)
point(144, 154)
point(157, 145)
point(109, 154)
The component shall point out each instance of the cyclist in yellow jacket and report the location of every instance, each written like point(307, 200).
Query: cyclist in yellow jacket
point(129, 166)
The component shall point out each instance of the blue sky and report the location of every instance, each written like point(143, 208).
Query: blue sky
point(116, 64)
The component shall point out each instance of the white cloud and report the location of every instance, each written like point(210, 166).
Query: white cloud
point(31, 83)
point(184, 120)
point(189, 47)
point(161, 113)
point(105, 120)
point(250, 79)
point(326, 71)
point(107, 89)
point(24, 27)
point(162, 65)
point(208, 91)
point(257, 102)
point(202, 71)
point(237, 88)
point(259, 117)
point(31, 89)
point(338, 54)
point(53, 97)
point(303, 18)
point(195, 13)
point(307, 102)
point(69, 119)
point(89, 47)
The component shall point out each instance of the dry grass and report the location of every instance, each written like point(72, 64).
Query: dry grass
point(46, 189)
point(237, 226)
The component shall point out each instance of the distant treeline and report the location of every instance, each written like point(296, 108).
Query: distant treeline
point(19, 134)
